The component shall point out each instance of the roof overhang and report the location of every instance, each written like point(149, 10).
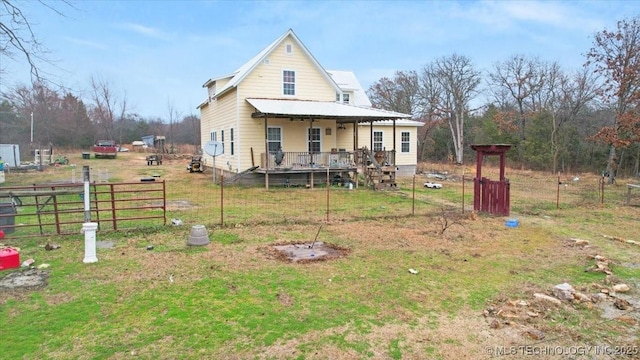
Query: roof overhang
point(302, 109)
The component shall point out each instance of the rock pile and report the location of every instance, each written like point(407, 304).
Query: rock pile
point(526, 312)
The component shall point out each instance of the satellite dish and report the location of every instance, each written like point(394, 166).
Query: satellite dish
point(213, 148)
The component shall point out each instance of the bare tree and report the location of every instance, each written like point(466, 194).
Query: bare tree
point(522, 79)
point(18, 40)
point(429, 93)
point(173, 118)
point(398, 94)
point(106, 109)
point(457, 82)
point(188, 131)
point(616, 56)
point(566, 96)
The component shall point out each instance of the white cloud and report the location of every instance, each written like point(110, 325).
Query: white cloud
point(87, 43)
point(143, 30)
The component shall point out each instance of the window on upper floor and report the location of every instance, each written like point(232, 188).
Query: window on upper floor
point(288, 49)
point(345, 98)
point(213, 136)
point(288, 82)
point(405, 144)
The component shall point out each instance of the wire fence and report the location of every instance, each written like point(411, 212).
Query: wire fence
point(198, 199)
point(280, 204)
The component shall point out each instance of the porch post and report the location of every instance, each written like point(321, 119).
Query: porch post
point(266, 151)
point(394, 139)
point(371, 136)
point(355, 135)
point(309, 132)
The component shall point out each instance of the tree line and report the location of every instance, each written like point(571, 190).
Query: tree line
point(555, 120)
point(40, 116)
point(46, 114)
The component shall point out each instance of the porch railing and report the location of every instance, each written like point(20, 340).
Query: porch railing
point(339, 159)
point(306, 160)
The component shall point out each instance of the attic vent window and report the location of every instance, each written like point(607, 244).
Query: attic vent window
point(266, 62)
point(288, 48)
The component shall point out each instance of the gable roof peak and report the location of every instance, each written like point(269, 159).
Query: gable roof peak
point(247, 67)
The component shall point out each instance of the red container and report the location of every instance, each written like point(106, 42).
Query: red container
point(9, 258)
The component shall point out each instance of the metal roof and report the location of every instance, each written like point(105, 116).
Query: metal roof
point(301, 109)
point(396, 122)
point(347, 81)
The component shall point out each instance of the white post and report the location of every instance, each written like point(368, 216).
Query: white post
point(87, 204)
point(89, 230)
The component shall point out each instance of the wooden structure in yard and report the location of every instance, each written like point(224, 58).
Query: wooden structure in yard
point(379, 172)
point(491, 196)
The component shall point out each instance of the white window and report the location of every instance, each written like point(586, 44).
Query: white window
point(345, 98)
point(231, 142)
point(338, 97)
point(212, 90)
point(314, 140)
point(213, 136)
point(377, 141)
point(288, 49)
point(288, 82)
point(405, 141)
point(274, 139)
point(222, 140)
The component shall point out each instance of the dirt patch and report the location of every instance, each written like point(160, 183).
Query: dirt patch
point(307, 252)
point(24, 280)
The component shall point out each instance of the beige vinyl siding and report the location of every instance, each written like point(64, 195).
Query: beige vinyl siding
point(220, 115)
point(294, 134)
point(409, 158)
point(344, 137)
point(250, 136)
point(265, 81)
point(220, 83)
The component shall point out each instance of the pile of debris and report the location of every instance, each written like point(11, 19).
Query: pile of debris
point(610, 296)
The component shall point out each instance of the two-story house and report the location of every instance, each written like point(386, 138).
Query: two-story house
point(282, 119)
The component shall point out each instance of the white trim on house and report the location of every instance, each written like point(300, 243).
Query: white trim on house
point(247, 68)
point(399, 122)
point(321, 109)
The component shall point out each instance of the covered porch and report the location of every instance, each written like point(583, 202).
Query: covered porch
point(339, 161)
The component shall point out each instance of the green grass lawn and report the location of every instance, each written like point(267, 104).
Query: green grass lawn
point(233, 299)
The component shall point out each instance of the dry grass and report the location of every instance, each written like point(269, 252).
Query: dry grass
point(464, 268)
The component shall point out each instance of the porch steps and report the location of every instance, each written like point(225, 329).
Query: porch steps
point(377, 176)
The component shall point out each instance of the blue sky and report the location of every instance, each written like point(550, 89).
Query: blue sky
point(159, 53)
